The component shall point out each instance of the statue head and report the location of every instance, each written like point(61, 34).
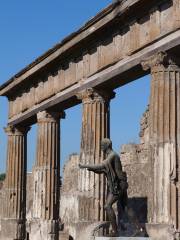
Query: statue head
point(106, 144)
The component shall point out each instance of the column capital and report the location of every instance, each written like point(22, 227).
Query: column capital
point(16, 131)
point(91, 94)
point(160, 59)
point(48, 116)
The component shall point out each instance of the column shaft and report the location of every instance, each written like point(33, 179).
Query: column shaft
point(95, 127)
point(164, 137)
point(48, 164)
point(15, 182)
point(47, 171)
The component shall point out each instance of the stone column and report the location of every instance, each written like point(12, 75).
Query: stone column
point(47, 176)
point(165, 144)
point(14, 213)
point(95, 127)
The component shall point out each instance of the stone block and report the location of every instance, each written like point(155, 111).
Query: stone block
point(122, 238)
point(160, 231)
point(42, 229)
point(63, 236)
point(12, 229)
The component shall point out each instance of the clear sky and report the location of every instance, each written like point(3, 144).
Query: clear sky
point(27, 30)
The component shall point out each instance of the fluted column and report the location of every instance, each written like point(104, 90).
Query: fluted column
point(47, 170)
point(15, 184)
point(165, 138)
point(95, 127)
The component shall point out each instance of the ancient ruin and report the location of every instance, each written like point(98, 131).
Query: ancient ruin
point(127, 40)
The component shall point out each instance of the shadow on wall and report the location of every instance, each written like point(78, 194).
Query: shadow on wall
point(135, 216)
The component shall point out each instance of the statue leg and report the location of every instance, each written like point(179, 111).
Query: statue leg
point(110, 212)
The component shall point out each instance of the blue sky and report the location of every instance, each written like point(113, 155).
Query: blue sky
point(27, 30)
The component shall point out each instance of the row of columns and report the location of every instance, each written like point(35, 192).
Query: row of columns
point(164, 145)
point(95, 127)
point(47, 174)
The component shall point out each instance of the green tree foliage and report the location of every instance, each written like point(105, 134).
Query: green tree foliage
point(2, 176)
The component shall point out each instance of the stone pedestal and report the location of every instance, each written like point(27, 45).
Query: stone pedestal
point(95, 127)
point(13, 229)
point(47, 177)
point(160, 231)
point(40, 229)
point(121, 238)
point(13, 224)
point(165, 144)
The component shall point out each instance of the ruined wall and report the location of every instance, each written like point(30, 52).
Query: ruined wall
point(1, 199)
point(73, 203)
point(69, 199)
point(136, 162)
point(1, 203)
point(134, 158)
point(29, 195)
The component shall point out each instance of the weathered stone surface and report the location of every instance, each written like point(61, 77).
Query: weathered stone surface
point(1, 184)
point(46, 177)
point(121, 238)
point(95, 127)
point(69, 200)
point(161, 231)
point(14, 209)
point(1, 198)
point(43, 229)
point(164, 139)
point(63, 236)
point(72, 202)
point(135, 161)
point(89, 231)
point(70, 175)
point(29, 196)
point(90, 64)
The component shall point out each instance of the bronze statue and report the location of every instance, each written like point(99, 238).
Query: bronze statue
point(116, 180)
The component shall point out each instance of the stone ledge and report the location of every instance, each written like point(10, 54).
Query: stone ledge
point(122, 238)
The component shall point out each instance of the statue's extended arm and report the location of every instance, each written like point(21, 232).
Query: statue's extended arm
point(95, 168)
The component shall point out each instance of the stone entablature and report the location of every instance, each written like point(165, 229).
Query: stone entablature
point(119, 42)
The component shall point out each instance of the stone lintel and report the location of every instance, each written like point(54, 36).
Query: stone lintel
point(105, 76)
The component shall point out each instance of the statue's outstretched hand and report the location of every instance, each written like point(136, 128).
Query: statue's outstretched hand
point(81, 166)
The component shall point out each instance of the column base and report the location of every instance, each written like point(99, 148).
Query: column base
point(12, 229)
point(43, 229)
point(161, 231)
